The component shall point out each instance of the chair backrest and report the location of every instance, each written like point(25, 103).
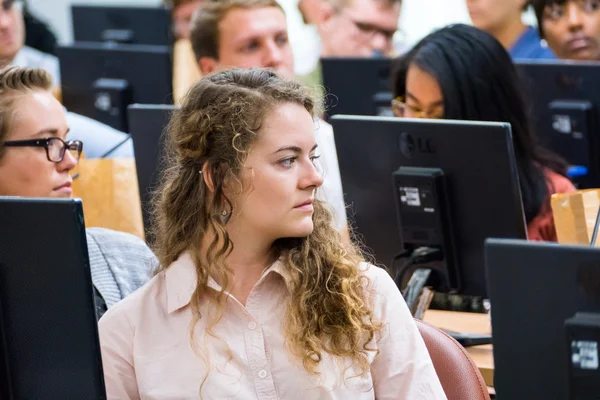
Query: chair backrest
point(457, 372)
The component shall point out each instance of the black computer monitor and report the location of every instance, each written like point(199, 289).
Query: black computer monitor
point(49, 347)
point(147, 123)
point(442, 184)
point(357, 86)
point(535, 288)
point(132, 25)
point(565, 111)
point(101, 80)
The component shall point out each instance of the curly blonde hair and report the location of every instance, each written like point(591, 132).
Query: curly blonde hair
point(214, 130)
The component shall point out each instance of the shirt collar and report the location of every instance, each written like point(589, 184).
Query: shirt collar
point(20, 59)
point(181, 280)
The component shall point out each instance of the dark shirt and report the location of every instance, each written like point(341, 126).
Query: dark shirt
point(100, 304)
point(38, 35)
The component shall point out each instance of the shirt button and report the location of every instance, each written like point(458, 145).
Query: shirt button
point(252, 326)
point(262, 374)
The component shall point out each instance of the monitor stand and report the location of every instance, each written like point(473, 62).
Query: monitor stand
point(415, 291)
point(469, 339)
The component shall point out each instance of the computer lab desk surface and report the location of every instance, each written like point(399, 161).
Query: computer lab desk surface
point(471, 323)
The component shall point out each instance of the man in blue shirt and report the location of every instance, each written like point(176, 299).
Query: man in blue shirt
point(503, 20)
point(571, 27)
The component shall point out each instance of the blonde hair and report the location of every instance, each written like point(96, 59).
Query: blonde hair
point(14, 83)
point(219, 121)
point(205, 23)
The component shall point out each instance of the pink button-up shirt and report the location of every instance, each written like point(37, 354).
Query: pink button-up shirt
point(147, 351)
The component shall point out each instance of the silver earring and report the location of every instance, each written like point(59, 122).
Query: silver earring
point(225, 215)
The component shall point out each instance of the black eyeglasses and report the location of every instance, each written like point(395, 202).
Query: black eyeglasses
point(7, 5)
point(55, 147)
point(369, 30)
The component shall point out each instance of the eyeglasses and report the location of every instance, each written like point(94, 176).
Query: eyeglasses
point(55, 147)
point(368, 30)
point(7, 5)
point(403, 110)
point(556, 11)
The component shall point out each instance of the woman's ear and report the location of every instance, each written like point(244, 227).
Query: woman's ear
point(207, 176)
point(208, 179)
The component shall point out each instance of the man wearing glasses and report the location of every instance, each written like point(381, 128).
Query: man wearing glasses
point(351, 28)
point(12, 42)
point(359, 28)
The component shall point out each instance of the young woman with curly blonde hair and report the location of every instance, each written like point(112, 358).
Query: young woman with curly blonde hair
point(258, 297)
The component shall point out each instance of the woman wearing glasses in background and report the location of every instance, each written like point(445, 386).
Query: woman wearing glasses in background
point(463, 73)
point(36, 161)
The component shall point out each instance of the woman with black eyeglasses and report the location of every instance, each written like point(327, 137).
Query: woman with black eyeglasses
point(36, 160)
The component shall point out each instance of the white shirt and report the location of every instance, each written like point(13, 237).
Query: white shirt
point(147, 351)
point(99, 140)
point(331, 190)
point(304, 39)
point(31, 58)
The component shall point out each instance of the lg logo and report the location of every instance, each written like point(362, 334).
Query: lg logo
point(568, 83)
point(103, 102)
point(410, 145)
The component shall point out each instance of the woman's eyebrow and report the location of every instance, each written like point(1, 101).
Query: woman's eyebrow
point(295, 149)
point(435, 104)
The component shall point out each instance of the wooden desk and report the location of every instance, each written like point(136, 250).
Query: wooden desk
point(468, 323)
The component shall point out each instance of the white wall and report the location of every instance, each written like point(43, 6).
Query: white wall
point(419, 17)
point(58, 12)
